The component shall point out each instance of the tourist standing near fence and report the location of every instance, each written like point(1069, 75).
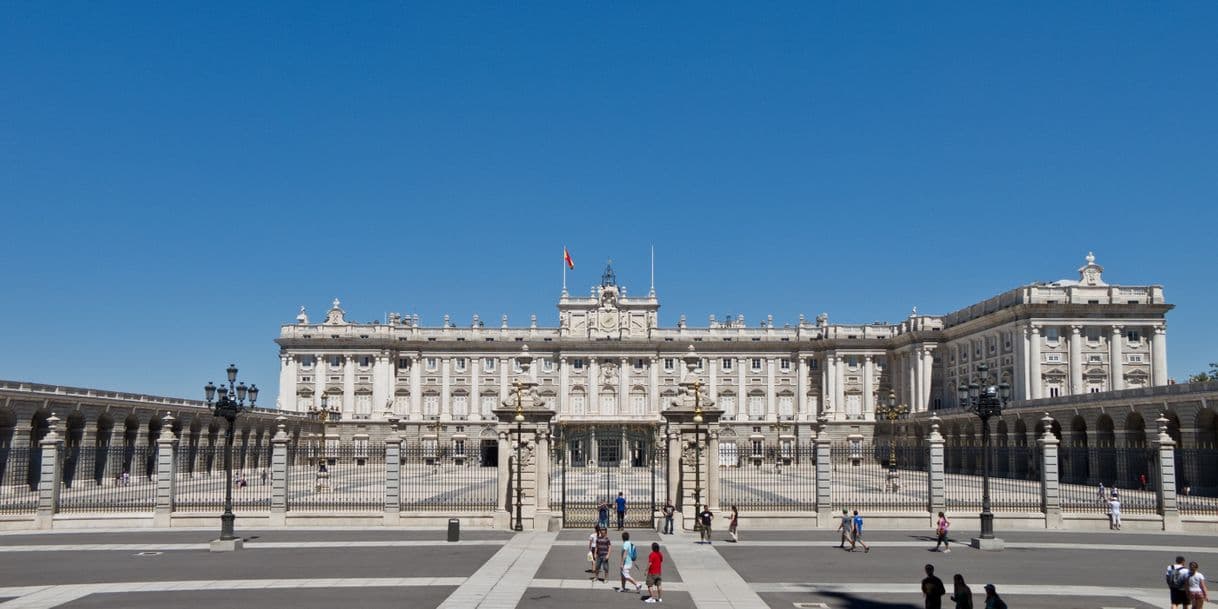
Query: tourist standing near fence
point(669, 511)
point(941, 528)
point(733, 520)
point(1177, 583)
point(621, 511)
point(603, 544)
point(1114, 513)
point(596, 531)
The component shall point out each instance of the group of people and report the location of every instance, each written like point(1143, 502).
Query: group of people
point(851, 529)
point(1186, 585)
point(600, 548)
point(933, 592)
point(602, 512)
point(1112, 499)
point(704, 522)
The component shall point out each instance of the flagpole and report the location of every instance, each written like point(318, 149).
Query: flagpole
point(564, 270)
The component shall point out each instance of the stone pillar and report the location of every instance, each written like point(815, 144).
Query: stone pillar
point(1034, 380)
point(446, 407)
point(928, 371)
point(382, 385)
point(771, 406)
point(712, 466)
point(801, 386)
point(824, 473)
point(279, 473)
point(320, 370)
point(51, 475)
point(1165, 486)
point(1076, 360)
point(839, 386)
point(920, 382)
point(287, 382)
point(502, 517)
point(1116, 371)
point(166, 447)
point(564, 387)
point(936, 478)
point(348, 404)
point(542, 514)
point(674, 471)
point(868, 389)
point(1050, 489)
point(393, 477)
point(1158, 355)
point(416, 388)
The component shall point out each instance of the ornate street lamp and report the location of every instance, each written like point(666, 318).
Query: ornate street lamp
point(697, 447)
point(229, 403)
point(985, 400)
point(519, 434)
point(892, 411)
point(324, 413)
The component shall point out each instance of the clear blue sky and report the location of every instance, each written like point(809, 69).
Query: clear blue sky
point(175, 181)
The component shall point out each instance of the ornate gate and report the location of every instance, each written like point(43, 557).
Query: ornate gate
point(593, 463)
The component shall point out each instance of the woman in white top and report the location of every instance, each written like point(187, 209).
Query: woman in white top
point(1198, 593)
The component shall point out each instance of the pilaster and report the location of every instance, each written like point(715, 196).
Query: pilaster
point(1116, 363)
point(1076, 360)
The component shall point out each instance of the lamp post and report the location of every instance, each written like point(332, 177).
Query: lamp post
point(892, 411)
point(519, 435)
point(324, 413)
point(228, 405)
point(985, 400)
point(697, 447)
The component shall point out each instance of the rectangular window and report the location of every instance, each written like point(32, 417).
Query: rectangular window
point(307, 362)
point(638, 405)
point(756, 406)
point(488, 364)
point(363, 405)
point(460, 364)
point(1095, 359)
point(854, 406)
point(728, 404)
point(786, 407)
point(727, 363)
point(304, 402)
point(458, 448)
point(1054, 391)
point(547, 365)
point(813, 364)
point(784, 363)
point(488, 404)
point(756, 363)
point(1053, 358)
point(431, 405)
point(432, 363)
point(577, 363)
point(403, 364)
point(336, 361)
point(577, 405)
point(1133, 336)
point(757, 448)
point(365, 361)
point(1135, 358)
point(639, 364)
point(401, 404)
point(669, 364)
point(1051, 335)
point(460, 407)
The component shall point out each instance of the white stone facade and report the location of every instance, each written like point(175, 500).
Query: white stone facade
point(609, 360)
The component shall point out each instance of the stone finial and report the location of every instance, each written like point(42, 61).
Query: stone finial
point(447, 321)
point(335, 304)
point(302, 317)
point(769, 321)
point(533, 320)
point(476, 321)
point(52, 428)
point(281, 428)
point(681, 321)
point(914, 312)
point(1163, 422)
point(166, 431)
point(801, 319)
point(1047, 421)
point(503, 321)
point(935, 422)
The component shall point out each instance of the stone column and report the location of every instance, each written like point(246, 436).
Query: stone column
point(166, 447)
point(564, 388)
point(919, 366)
point(542, 434)
point(1034, 379)
point(279, 473)
point(1076, 360)
point(771, 407)
point(51, 476)
point(446, 408)
point(1050, 489)
point(416, 388)
point(674, 470)
point(936, 477)
point(348, 386)
point(868, 388)
point(594, 389)
point(393, 478)
point(654, 399)
point(742, 404)
point(623, 388)
point(475, 389)
point(801, 386)
point(911, 369)
point(503, 517)
point(712, 467)
point(1158, 355)
point(320, 367)
point(1165, 486)
point(928, 372)
point(824, 473)
point(1116, 372)
point(287, 382)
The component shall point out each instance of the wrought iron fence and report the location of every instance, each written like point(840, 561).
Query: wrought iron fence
point(339, 478)
point(1197, 478)
point(770, 478)
point(108, 478)
point(200, 478)
point(1121, 470)
point(590, 466)
point(17, 494)
point(872, 477)
point(1008, 493)
point(446, 481)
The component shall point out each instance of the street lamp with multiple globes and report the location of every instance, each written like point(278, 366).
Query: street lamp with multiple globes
point(324, 413)
point(892, 411)
point(229, 403)
point(697, 447)
point(519, 434)
point(985, 400)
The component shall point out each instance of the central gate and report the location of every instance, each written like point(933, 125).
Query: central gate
point(593, 463)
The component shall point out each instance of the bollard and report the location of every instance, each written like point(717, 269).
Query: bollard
point(454, 529)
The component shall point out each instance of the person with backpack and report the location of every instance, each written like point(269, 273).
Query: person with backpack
point(629, 555)
point(655, 562)
point(1177, 583)
point(706, 519)
point(856, 533)
point(932, 589)
point(941, 528)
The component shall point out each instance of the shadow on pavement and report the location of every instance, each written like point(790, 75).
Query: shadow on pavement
point(850, 601)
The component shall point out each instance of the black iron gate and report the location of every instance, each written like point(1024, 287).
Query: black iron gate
point(593, 463)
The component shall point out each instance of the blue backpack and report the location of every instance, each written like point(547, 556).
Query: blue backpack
point(631, 551)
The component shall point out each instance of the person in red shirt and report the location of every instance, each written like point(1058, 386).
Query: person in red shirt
point(655, 561)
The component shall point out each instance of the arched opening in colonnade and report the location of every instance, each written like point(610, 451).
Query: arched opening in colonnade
point(1105, 449)
point(1077, 458)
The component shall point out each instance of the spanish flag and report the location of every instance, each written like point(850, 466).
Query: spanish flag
point(566, 257)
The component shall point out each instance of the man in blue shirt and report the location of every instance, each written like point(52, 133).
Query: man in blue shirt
point(621, 511)
point(857, 533)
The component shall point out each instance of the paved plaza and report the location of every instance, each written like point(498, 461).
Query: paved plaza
point(385, 567)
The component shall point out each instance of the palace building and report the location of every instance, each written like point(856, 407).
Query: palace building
point(609, 362)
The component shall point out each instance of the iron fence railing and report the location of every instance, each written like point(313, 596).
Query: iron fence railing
point(445, 481)
point(1197, 480)
point(769, 478)
point(873, 477)
point(108, 479)
point(1120, 470)
point(200, 478)
point(17, 494)
point(964, 481)
point(336, 478)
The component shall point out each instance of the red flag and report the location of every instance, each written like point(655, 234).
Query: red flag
point(566, 256)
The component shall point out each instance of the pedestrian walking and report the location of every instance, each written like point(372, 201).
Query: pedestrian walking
point(669, 510)
point(992, 600)
point(1198, 593)
point(856, 533)
point(1177, 583)
point(596, 531)
point(1114, 513)
point(1102, 494)
point(603, 545)
point(629, 555)
point(962, 595)
point(932, 589)
point(847, 524)
point(263, 476)
point(655, 564)
point(602, 515)
point(941, 527)
point(706, 519)
point(621, 511)
point(733, 520)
